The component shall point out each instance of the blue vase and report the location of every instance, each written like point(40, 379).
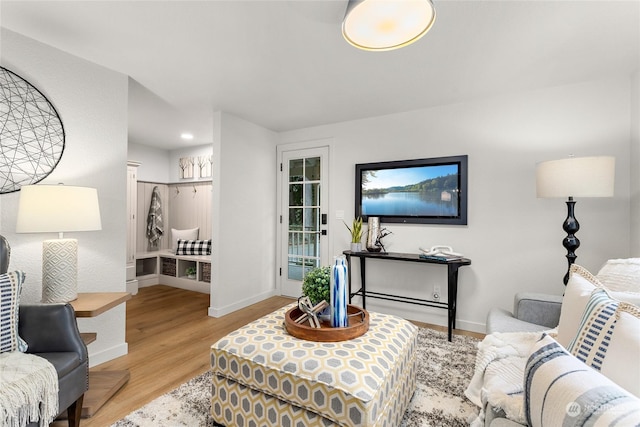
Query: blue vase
point(338, 293)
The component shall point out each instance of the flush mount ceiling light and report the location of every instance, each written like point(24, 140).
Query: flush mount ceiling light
point(186, 136)
point(387, 24)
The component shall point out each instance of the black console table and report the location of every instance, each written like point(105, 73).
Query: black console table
point(452, 281)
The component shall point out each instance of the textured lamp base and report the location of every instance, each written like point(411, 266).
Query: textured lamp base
point(59, 270)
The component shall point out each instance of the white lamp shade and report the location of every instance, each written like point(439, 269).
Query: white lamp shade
point(387, 24)
point(57, 208)
point(576, 177)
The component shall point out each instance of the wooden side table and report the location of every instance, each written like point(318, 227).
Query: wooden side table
point(102, 384)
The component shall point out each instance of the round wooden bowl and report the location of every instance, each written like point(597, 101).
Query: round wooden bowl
point(358, 325)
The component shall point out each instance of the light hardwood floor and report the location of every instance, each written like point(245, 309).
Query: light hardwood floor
point(169, 336)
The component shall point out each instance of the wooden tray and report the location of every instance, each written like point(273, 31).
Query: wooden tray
point(357, 326)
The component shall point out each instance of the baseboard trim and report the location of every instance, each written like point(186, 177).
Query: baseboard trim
point(433, 316)
point(221, 311)
point(108, 354)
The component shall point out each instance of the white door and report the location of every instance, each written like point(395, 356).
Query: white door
point(303, 216)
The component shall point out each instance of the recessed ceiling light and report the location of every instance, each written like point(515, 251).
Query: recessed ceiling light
point(187, 136)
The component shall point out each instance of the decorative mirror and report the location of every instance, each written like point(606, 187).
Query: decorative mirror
point(31, 133)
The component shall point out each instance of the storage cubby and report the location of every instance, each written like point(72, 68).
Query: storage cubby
point(146, 266)
point(168, 266)
point(205, 272)
point(164, 267)
point(183, 265)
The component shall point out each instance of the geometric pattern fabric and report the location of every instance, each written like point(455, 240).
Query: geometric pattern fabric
point(31, 133)
point(261, 373)
point(59, 270)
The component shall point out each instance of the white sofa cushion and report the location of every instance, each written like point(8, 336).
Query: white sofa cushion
point(622, 275)
point(581, 284)
point(561, 390)
point(609, 340)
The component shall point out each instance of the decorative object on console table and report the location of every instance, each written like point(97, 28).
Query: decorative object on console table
point(338, 290)
point(58, 208)
point(575, 177)
point(356, 234)
point(375, 235)
point(32, 134)
point(372, 234)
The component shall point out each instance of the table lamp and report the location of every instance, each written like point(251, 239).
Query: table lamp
point(58, 208)
point(575, 177)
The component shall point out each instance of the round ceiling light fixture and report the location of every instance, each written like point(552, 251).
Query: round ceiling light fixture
point(387, 24)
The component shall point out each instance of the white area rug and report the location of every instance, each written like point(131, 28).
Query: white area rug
point(444, 371)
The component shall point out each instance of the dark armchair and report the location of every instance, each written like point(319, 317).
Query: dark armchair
point(51, 332)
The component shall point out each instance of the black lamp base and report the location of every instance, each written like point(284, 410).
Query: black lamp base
point(571, 242)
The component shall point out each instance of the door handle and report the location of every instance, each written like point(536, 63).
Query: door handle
point(323, 232)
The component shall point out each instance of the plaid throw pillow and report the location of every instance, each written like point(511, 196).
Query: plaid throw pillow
point(10, 288)
point(193, 247)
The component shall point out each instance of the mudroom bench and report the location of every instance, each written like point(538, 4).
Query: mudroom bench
point(165, 267)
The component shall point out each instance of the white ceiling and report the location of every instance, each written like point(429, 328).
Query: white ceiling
point(284, 65)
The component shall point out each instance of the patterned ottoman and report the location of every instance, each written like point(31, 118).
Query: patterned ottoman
point(262, 376)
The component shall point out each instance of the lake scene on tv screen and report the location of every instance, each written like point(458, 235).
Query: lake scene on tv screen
point(424, 191)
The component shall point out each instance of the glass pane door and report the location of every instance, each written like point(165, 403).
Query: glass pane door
point(302, 215)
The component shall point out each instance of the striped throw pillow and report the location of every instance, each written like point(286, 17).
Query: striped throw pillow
point(193, 247)
point(560, 390)
point(608, 340)
point(10, 288)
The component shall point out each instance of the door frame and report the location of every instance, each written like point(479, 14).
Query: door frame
point(280, 150)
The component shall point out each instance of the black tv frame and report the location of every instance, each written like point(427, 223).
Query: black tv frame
point(460, 219)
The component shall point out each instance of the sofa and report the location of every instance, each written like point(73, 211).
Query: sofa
point(49, 332)
point(571, 361)
point(531, 312)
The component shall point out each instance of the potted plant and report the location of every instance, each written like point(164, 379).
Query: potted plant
point(191, 272)
point(315, 284)
point(356, 234)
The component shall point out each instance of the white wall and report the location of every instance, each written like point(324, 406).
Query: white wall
point(154, 162)
point(92, 102)
point(512, 238)
point(635, 165)
point(244, 214)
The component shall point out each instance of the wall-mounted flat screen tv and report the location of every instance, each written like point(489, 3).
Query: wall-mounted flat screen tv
point(421, 191)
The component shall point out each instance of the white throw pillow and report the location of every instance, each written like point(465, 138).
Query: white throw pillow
point(579, 287)
point(577, 293)
point(187, 234)
point(621, 275)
